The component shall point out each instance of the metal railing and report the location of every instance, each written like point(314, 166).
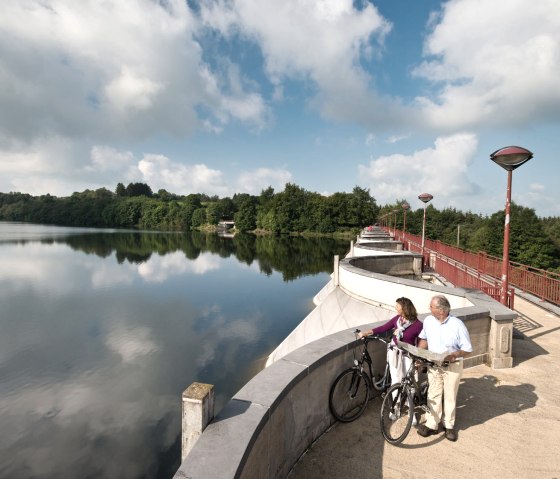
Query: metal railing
point(541, 283)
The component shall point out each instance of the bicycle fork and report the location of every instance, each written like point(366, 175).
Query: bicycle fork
point(355, 384)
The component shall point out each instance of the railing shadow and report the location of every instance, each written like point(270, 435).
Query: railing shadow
point(485, 398)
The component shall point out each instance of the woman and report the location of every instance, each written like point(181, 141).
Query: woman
point(406, 328)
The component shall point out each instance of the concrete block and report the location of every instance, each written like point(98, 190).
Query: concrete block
point(198, 411)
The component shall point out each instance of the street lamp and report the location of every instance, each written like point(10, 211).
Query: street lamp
point(509, 158)
point(395, 211)
point(425, 198)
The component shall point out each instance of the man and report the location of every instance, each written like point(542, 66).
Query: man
point(443, 333)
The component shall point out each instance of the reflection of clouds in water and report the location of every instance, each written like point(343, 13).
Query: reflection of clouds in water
point(130, 343)
point(25, 264)
point(160, 268)
point(87, 394)
point(91, 385)
point(32, 265)
point(228, 330)
point(88, 428)
point(107, 274)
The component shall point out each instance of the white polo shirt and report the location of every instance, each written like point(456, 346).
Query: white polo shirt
point(449, 336)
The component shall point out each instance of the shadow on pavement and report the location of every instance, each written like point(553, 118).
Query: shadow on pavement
point(484, 398)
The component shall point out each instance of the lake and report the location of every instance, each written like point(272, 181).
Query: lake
point(102, 330)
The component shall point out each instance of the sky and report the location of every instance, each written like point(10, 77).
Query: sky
point(400, 97)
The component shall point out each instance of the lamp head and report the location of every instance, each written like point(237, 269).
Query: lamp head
point(425, 197)
point(511, 157)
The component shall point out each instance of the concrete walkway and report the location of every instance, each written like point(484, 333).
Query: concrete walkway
point(508, 422)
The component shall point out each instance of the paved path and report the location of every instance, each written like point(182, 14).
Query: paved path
point(508, 422)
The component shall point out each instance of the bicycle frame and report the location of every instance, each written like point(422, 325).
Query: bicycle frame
point(384, 381)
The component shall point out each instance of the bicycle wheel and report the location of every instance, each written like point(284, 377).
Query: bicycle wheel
point(349, 395)
point(397, 411)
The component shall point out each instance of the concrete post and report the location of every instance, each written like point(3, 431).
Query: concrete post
point(335, 272)
point(351, 249)
point(500, 339)
point(198, 411)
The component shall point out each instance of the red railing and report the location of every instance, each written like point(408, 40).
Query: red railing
point(543, 284)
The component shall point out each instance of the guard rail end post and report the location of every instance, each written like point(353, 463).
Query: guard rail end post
point(198, 411)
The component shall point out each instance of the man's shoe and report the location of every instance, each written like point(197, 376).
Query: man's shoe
point(451, 435)
point(426, 431)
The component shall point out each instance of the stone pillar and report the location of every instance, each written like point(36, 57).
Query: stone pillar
point(501, 333)
point(198, 411)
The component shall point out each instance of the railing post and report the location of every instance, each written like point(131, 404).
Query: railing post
point(198, 411)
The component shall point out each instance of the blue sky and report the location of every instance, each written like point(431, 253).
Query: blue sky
point(225, 96)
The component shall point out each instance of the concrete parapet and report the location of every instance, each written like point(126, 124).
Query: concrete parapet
point(275, 417)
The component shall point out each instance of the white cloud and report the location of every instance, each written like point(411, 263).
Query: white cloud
point(43, 155)
point(160, 172)
point(396, 138)
point(323, 41)
point(493, 64)
point(110, 69)
point(255, 181)
point(440, 170)
point(370, 139)
point(130, 91)
point(105, 158)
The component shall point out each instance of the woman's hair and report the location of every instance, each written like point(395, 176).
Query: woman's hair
point(408, 309)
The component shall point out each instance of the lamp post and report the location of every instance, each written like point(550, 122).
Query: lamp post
point(405, 207)
point(395, 222)
point(425, 198)
point(509, 158)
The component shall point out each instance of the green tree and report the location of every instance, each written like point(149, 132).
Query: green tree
point(213, 213)
point(120, 190)
point(246, 218)
point(138, 189)
point(198, 217)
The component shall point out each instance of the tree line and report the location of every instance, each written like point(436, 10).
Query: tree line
point(534, 241)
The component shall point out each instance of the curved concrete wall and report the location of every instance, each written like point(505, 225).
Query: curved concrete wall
point(275, 417)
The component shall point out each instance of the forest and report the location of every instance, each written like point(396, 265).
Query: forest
point(534, 241)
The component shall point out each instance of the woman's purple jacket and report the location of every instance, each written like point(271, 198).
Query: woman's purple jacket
point(410, 334)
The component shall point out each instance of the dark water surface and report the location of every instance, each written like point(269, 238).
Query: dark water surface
point(102, 330)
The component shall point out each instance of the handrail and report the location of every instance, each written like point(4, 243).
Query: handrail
point(541, 283)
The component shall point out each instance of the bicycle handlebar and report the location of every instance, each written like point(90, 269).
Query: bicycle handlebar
point(369, 337)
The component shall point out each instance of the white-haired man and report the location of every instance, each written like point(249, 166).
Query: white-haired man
point(441, 333)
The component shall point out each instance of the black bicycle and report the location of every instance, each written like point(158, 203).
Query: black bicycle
point(352, 388)
point(403, 399)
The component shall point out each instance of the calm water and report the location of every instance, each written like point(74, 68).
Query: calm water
point(102, 330)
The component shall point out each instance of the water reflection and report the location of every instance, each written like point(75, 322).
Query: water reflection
point(101, 332)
